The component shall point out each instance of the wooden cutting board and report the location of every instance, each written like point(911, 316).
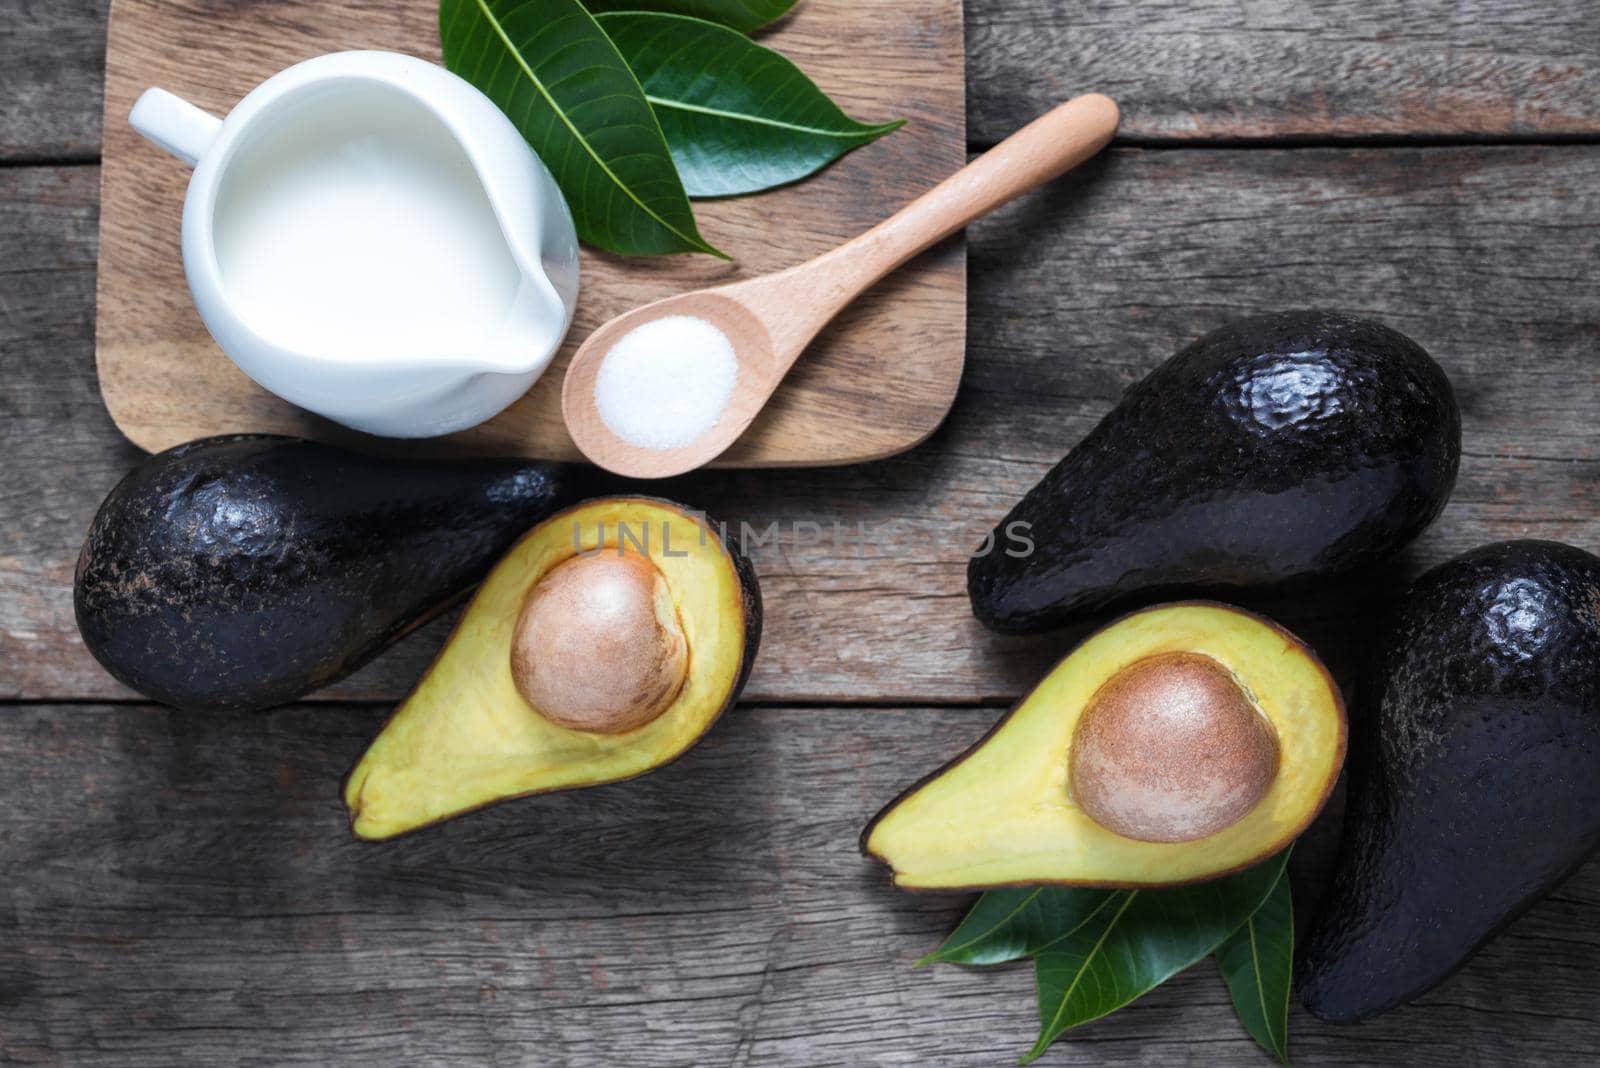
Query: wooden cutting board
point(875, 383)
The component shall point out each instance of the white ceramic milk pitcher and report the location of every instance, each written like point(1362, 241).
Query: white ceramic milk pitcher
point(369, 237)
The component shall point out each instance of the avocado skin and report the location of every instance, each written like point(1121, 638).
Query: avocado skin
point(754, 612)
point(241, 572)
point(1474, 773)
point(1278, 449)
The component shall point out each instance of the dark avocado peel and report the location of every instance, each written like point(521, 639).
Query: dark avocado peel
point(1175, 745)
point(242, 572)
point(1278, 450)
point(547, 685)
point(1474, 773)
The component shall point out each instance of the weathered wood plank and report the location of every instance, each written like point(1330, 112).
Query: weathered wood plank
point(59, 451)
point(1183, 70)
point(1485, 255)
point(1292, 68)
point(183, 888)
point(52, 66)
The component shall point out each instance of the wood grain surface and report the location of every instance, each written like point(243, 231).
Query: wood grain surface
point(1185, 70)
point(192, 892)
point(1315, 70)
point(181, 889)
point(165, 381)
point(52, 70)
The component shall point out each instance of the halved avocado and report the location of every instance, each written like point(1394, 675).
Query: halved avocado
point(1177, 744)
point(467, 737)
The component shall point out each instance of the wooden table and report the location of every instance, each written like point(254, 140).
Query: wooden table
point(178, 888)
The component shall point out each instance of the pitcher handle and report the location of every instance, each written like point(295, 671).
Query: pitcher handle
point(174, 124)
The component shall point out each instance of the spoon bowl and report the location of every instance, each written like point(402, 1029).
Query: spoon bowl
point(769, 320)
point(760, 369)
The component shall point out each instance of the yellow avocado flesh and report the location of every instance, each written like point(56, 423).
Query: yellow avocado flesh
point(1003, 814)
point(465, 737)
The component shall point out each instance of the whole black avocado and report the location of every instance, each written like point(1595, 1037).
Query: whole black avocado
point(243, 571)
point(1474, 773)
point(1279, 449)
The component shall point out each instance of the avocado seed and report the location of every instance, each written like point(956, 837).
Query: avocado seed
point(1171, 749)
point(598, 646)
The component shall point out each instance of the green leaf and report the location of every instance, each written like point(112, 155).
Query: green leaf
point(1006, 925)
point(1256, 961)
point(550, 67)
point(738, 117)
point(743, 15)
point(1138, 940)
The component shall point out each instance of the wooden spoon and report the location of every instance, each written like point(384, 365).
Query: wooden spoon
point(771, 319)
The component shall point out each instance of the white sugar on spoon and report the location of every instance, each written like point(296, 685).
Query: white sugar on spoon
point(666, 382)
point(674, 417)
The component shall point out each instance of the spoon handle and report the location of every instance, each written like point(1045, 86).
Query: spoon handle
point(1047, 147)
